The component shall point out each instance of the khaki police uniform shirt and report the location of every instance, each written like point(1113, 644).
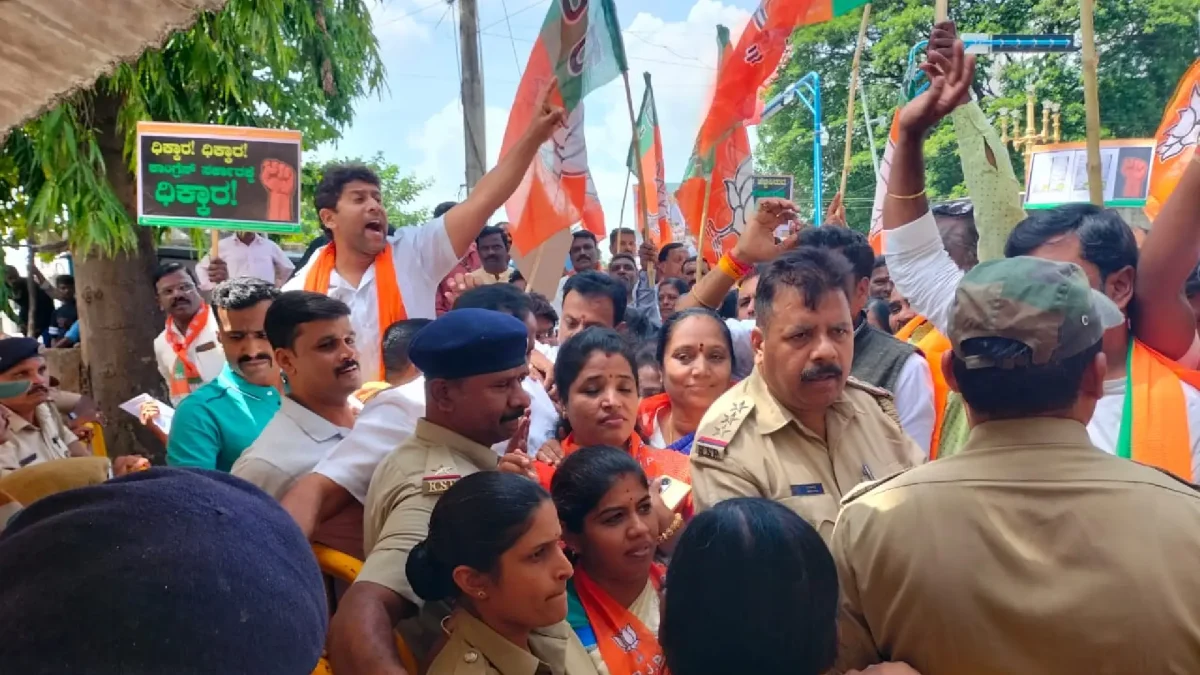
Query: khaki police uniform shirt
point(403, 491)
point(748, 445)
point(1030, 552)
point(29, 444)
point(476, 649)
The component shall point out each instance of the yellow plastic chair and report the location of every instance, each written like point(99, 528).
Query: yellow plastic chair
point(99, 448)
point(345, 568)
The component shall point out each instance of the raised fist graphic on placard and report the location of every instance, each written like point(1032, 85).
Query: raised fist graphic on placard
point(279, 180)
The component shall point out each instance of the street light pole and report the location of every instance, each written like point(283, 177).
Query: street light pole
point(808, 90)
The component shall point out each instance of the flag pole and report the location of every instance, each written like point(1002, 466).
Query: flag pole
point(858, 48)
point(215, 238)
point(637, 167)
point(624, 201)
point(1091, 101)
point(941, 11)
point(704, 225)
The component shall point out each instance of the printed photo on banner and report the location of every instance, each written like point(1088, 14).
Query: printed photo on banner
point(1057, 174)
point(208, 176)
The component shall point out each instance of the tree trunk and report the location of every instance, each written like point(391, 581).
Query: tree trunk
point(118, 307)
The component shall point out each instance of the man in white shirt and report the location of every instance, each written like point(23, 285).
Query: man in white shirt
point(187, 351)
point(350, 207)
point(390, 418)
point(315, 348)
point(1096, 240)
point(244, 254)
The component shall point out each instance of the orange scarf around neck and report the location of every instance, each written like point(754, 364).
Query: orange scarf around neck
point(1155, 428)
point(625, 644)
point(387, 289)
point(180, 344)
point(932, 345)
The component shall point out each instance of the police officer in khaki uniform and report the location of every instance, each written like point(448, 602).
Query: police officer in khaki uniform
point(1031, 551)
point(474, 361)
point(799, 430)
point(480, 650)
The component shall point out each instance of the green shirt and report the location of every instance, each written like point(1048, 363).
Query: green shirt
point(994, 189)
point(215, 423)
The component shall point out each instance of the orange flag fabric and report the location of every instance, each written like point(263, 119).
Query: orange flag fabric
point(1177, 134)
point(580, 49)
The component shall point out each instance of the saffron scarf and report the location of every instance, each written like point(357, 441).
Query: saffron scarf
point(387, 289)
point(1154, 423)
point(625, 644)
point(932, 345)
point(185, 372)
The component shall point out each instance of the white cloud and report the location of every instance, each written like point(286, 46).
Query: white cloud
point(397, 19)
point(681, 57)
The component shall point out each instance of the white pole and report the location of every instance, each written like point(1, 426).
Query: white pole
point(862, 95)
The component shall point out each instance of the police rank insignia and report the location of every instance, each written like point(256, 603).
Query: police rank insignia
point(711, 448)
point(440, 480)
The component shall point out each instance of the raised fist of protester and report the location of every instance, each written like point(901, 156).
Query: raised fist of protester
point(949, 82)
point(218, 271)
point(941, 40)
point(648, 254)
point(757, 242)
point(548, 116)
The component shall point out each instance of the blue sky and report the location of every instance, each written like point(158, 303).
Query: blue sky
point(417, 122)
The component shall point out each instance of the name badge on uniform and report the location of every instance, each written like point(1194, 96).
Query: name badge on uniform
point(808, 490)
point(439, 481)
point(711, 448)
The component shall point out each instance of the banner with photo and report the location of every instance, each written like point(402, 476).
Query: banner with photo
point(1057, 174)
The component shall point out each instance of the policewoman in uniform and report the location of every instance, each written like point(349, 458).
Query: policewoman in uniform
point(1031, 551)
point(799, 430)
point(494, 550)
point(474, 361)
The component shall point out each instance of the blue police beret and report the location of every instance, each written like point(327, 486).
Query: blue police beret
point(467, 342)
point(15, 350)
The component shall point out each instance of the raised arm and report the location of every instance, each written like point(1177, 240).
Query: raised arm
point(1162, 317)
point(919, 265)
point(464, 221)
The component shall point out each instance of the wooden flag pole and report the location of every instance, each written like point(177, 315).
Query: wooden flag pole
point(858, 48)
point(1091, 101)
point(637, 167)
point(704, 226)
point(213, 251)
point(941, 11)
point(624, 201)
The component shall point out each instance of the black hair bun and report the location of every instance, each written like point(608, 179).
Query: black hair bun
point(429, 578)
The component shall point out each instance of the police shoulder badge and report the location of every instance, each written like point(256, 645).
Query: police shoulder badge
point(439, 480)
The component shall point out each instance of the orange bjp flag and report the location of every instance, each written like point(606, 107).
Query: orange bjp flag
point(579, 49)
point(751, 63)
point(1177, 135)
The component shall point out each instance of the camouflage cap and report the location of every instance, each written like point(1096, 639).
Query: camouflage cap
point(1048, 306)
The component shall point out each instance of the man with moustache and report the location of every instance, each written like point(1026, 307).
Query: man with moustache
point(187, 350)
point(799, 430)
point(585, 257)
point(474, 361)
point(314, 345)
point(36, 431)
point(214, 425)
point(492, 244)
point(388, 279)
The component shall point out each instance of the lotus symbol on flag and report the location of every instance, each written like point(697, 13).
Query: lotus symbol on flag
point(566, 154)
point(1185, 132)
point(739, 194)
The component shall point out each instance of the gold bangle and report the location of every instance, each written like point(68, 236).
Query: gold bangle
point(671, 531)
point(916, 196)
point(698, 300)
